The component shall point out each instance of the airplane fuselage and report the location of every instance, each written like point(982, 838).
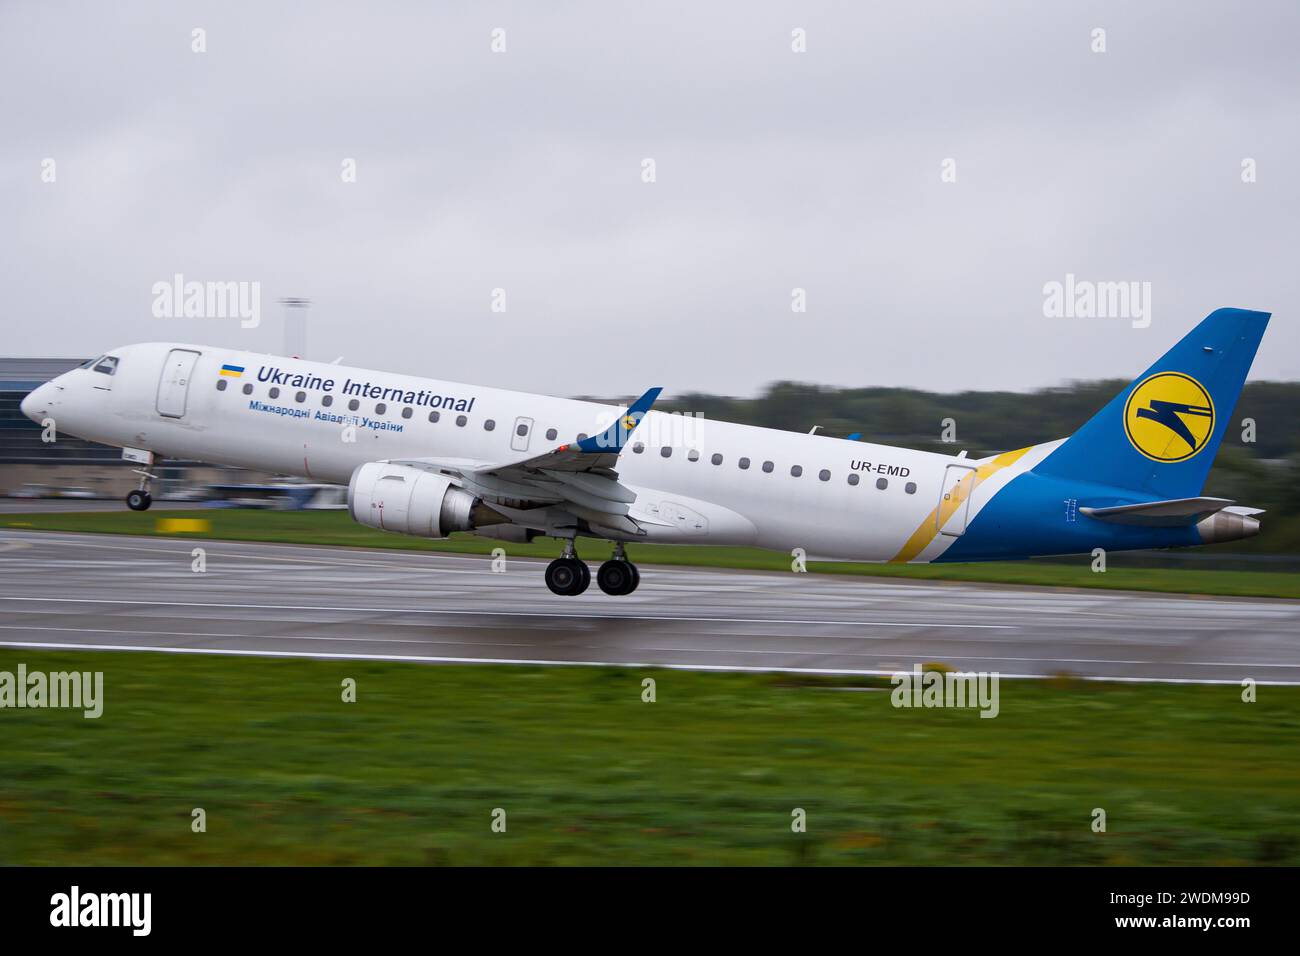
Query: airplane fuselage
point(695, 481)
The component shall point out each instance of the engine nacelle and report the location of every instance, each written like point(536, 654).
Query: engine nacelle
point(413, 501)
point(1230, 524)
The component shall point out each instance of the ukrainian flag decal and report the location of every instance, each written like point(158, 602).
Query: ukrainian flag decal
point(232, 370)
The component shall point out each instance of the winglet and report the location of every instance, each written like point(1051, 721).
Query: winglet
point(613, 438)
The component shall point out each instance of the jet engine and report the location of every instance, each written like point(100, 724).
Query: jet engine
point(411, 500)
point(1229, 524)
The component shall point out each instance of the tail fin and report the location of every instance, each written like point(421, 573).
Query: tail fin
point(1161, 433)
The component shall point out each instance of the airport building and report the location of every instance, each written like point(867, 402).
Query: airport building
point(71, 467)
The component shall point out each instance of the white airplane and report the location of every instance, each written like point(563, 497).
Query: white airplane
point(428, 457)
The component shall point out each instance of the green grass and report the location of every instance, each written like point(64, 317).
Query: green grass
point(337, 528)
point(590, 774)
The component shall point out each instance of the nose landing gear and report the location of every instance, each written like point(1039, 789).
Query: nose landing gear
point(140, 499)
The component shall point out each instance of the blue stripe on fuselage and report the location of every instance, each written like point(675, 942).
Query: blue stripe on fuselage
point(1039, 515)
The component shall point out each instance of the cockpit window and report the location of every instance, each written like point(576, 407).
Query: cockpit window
point(90, 363)
point(107, 364)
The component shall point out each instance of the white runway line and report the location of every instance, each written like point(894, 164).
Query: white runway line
point(739, 668)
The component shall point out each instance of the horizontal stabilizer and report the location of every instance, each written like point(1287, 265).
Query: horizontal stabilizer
point(1171, 513)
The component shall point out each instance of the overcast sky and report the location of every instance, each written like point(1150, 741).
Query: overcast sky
point(774, 170)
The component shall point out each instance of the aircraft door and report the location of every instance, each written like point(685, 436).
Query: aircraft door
point(954, 500)
point(520, 436)
point(174, 385)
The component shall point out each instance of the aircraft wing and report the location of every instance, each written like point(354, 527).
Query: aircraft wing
point(573, 482)
point(596, 452)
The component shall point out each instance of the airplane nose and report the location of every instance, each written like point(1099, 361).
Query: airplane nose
point(38, 402)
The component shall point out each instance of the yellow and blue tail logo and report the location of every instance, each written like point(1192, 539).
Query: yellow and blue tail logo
point(1169, 417)
point(1159, 436)
point(234, 371)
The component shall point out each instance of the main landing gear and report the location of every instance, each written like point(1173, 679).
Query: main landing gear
point(568, 575)
point(140, 499)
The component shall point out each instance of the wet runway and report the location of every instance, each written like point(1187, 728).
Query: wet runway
point(117, 592)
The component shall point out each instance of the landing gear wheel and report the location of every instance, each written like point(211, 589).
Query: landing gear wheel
point(617, 577)
point(139, 500)
point(636, 578)
point(567, 576)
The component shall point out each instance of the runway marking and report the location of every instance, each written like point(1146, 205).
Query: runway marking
point(218, 635)
point(423, 659)
point(508, 614)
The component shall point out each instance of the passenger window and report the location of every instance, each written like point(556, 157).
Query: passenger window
point(582, 436)
point(274, 393)
point(638, 448)
point(327, 400)
point(716, 459)
point(550, 434)
point(300, 397)
point(434, 416)
point(743, 463)
point(796, 470)
point(107, 365)
point(910, 487)
point(221, 385)
point(522, 430)
point(353, 405)
point(882, 483)
point(461, 420)
point(853, 478)
point(693, 455)
point(768, 466)
point(489, 425)
point(824, 475)
point(381, 408)
point(408, 411)
point(666, 451)
point(248, 388)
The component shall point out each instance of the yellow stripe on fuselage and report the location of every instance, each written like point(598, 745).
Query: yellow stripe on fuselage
point(929, 528)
